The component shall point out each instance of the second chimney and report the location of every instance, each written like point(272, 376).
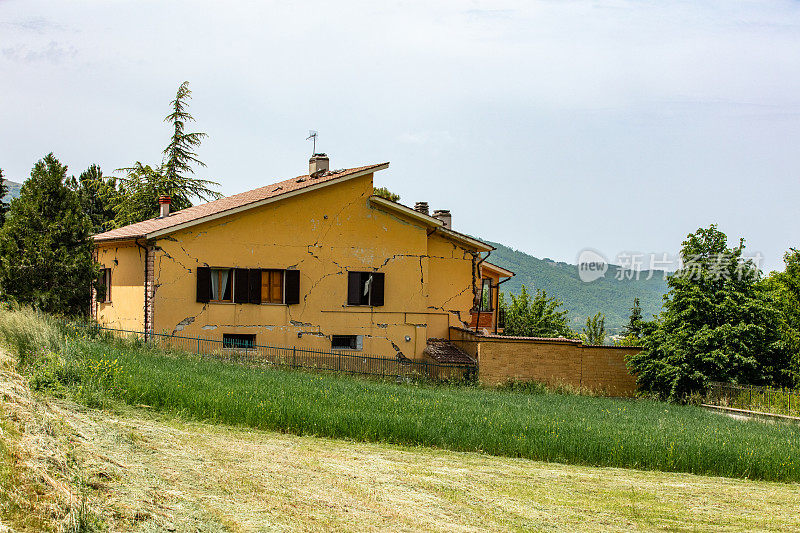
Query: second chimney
point(163, 203)
point(445, 217)
point(318, 164)
point(422, 207)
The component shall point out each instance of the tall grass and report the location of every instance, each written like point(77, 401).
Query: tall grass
point(567, 429)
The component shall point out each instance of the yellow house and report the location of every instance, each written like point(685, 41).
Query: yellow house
point(316, 262)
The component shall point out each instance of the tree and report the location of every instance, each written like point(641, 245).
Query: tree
point(718, 324)
point(635, 325)
point(45, 254)
point(785, 289)
point(595, 330)
point(3, 205)
point(383, 192)
point(98, 195)
point(539, 316)
point(143, 184)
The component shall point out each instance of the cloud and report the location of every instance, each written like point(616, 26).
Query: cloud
point(53, 53)
point(38, 25)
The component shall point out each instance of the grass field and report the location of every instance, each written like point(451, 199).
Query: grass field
point(142, 470)
point(557, 428)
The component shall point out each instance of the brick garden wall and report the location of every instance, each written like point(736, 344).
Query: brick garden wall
point(550, 361)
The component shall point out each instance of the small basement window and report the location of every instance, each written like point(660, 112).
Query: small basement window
point(347, 342)
point(238, 340)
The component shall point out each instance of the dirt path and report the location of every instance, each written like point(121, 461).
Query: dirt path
point(151, 472)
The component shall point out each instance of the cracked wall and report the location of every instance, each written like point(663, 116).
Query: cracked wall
point(322, 233)
point(126, 309)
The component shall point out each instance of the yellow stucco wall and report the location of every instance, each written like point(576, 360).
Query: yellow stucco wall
point(126, 309)
point(322, 233)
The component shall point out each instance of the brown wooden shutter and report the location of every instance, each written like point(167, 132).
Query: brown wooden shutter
point(255, 285)
point(241, 286)
point(353, 288)
point(292, 295)
point(376, 291)
point(203, 284)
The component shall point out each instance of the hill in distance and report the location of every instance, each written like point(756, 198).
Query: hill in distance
point(13, 190)
point(608, 295)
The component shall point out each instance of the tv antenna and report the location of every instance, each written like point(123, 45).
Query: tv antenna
point(312, 134)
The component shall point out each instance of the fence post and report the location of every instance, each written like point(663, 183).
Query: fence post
point(294, 356)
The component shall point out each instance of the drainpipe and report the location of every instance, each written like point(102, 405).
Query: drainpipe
point(145, 321)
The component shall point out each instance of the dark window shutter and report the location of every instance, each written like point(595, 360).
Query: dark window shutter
point(354, 288)
point(376, 292)
point(292, 283)
point(255, 285)
point(241, 286)
point(203, 284)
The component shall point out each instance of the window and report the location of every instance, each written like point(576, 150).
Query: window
point(221, 285)
point(238, 340)
point(248, 285)
point(365, 288)
point(272, 286)
point(487, 298)
point(347, 342)
point(104, 286)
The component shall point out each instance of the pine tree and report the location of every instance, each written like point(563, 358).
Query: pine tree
point(45, 254)
point(143, 184)
point(635, 325)
point(99, 196)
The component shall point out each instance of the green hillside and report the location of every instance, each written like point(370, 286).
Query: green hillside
point(607, 294)
point(13, 190)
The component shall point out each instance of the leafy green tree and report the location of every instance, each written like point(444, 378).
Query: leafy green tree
point(45, 254)
point(99, 196)
point(143, 184)
point(383, 192)
point(594, 332)
point(718, 324)
point(3, 205)
point(785, 289)
point(539, 316)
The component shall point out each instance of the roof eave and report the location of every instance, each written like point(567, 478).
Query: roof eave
point(480, 246)
point(253, 205)
point(430, 222)
point(427, 220)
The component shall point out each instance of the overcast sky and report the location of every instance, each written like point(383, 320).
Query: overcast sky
point(550, 126)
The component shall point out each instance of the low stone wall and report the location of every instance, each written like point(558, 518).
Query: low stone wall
point(550, 361)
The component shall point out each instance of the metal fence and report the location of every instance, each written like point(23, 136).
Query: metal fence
point(247, 353)
point(752, 398)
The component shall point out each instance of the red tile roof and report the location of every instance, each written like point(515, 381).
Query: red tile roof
point(515, 338)
point(443, 351)
point(198, 213)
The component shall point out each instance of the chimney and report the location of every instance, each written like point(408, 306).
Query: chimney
point(445, 217)
point(318, 164)
point(422, 207)
point(163, 202)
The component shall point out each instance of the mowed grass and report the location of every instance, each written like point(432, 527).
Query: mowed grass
point(549, 427)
